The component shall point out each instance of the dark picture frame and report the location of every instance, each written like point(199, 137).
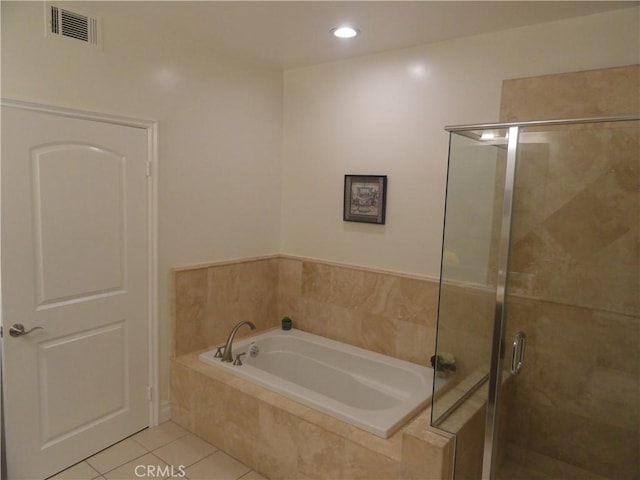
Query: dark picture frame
point(365, 198)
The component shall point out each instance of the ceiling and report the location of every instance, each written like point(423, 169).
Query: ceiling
point(287, 34)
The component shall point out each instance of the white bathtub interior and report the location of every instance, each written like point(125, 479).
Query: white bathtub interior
point(366, 389)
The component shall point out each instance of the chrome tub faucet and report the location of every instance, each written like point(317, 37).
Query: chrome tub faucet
point(227, 354)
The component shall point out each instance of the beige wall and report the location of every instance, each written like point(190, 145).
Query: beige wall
point(385, 113)
point(221, 131)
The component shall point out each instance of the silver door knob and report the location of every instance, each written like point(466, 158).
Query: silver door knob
point(17, 330)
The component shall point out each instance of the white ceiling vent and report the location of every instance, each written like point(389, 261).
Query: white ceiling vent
point(73, 24)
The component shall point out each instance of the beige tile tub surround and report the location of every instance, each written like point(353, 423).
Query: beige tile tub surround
point(281, 438)
point(209, 300)
point(385, 312)
point(574, 277)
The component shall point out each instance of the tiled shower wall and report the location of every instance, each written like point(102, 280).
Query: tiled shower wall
point(389, 313)
point(574, 274)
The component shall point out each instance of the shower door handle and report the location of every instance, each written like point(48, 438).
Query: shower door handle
point(517, 353)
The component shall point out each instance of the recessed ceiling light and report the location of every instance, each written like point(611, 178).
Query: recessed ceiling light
point(344, 32)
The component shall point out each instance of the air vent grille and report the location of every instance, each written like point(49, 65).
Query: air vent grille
point(55, 24)
point(72, 24)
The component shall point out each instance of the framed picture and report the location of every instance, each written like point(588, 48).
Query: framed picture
point(365, 198)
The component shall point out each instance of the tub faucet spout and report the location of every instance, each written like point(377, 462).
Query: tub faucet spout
point(227, 356)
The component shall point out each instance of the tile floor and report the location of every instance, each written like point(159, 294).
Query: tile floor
point(153, 452)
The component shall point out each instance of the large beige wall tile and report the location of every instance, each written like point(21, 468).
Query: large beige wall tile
point(618, 343)
point(210, 300)
point(321, 453)
point(542, 467)
point(465, 329)
point(190, 310)
point(358, 289)
point(360, 463)
point(232, 297)
point(563, 385)
point(426, 455)
point(226, 417)
point(413, 301)
point(414, 343)
point(374, 292)
point(616, 399)
point(383, 312)
point(290, 302)
point(576, 230)
point(182, 387)
point(181, 394)
point(276, 451)
point(470, 447)
point(567, 437)
point(316, 281)
point(290, 280)
point(590, 93)
point(332, 321)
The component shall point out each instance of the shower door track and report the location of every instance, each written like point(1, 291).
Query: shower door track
point(460, 401)
point(542, 123)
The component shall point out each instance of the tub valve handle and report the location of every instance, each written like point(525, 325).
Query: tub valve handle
point(237, 361)
point(219, 352)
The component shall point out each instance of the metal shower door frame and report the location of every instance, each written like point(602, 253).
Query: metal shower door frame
point(500, 318)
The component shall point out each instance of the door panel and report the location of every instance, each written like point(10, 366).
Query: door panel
point(75, 261)
point(79, 221)
point(96, 397)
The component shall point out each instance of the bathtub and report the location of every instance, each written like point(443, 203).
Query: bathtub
point(368, 390)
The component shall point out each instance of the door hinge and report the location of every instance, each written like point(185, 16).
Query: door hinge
point(149, 393)
point(148, 169)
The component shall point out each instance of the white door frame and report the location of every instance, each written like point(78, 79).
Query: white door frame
point(151, 128)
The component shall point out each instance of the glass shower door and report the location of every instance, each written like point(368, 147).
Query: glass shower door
point(473, 222)
point(541, 237)
point(573, 286)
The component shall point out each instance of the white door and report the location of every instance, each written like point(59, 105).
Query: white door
point(75, 261)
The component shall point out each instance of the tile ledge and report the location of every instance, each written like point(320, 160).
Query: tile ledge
point(411, 276)
point(221, 263)
point(277, 256)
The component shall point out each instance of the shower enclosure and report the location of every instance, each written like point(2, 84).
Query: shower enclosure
point(539, 313)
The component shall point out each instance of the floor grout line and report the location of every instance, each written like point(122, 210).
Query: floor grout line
point(122, 464)
point(152, 452)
